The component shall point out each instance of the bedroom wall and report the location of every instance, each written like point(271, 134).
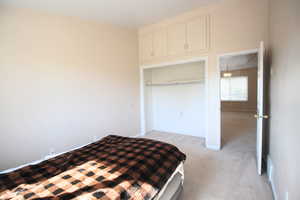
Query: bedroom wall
point(285, 98)
point(244, 106)
point(237, 25)
point(63, 82)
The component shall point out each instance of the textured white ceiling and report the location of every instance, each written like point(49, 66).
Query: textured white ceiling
point(129, 13)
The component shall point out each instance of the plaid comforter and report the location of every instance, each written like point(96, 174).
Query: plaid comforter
point(114, 168)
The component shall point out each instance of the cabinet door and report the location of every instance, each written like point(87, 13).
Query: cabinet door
point(147, 47)
point(160, 43)
point(176, 39)
point(197, 34)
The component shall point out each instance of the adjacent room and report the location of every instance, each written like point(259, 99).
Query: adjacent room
point(149, 100)
point(238, 86)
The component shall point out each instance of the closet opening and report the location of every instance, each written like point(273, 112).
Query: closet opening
point(174, 98)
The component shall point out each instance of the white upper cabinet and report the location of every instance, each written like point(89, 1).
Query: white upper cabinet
point(197, 34)
point(160, 43)
point(153, 45)
point(146, 47)
point(176, 39)
point(189, 37)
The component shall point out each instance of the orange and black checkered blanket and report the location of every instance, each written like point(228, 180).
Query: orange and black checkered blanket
point(114, 168)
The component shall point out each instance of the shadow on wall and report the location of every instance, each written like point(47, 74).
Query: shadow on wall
point(267, 103)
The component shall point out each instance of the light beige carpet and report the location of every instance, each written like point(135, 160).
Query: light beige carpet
point(229, 174)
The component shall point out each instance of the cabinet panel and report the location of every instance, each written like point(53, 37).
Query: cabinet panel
point(197, 34)
point(147, 47)
point(176, 39)
point(160, 43)
point(182, 38)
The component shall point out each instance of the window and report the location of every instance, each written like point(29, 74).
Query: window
point(234, 88)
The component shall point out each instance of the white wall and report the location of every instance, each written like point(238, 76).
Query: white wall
point(285, 97)
point(177, 108)
point(63, 81)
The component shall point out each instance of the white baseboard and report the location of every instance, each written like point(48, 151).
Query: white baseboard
point(43, 159)
point(54, 155)
point(213, 147)
point(179, 133)
point(136, 136)
point(271, 172)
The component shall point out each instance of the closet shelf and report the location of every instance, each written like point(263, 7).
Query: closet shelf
point(173, 82)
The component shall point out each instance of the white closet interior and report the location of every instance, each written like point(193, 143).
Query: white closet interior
point(175, 99)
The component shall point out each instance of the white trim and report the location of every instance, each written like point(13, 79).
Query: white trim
point(142, 98)
point(219, 120)
point(174, 82)
point(213, 147)
point(269, 168)
point(54, 155)
point(136, 136)
point(41, 160)
point(142, 104)
point(206, 97)
point(175, 63)
point(270, 173)
point(237, 53)
point(21, 166)
point(163, 131)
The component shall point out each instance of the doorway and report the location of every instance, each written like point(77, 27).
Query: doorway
point(235, 96)
point(238, 94)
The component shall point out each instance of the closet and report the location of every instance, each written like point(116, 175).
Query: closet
point(174, 98)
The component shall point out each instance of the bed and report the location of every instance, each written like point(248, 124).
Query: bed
point(114, 168)
point(173, 188)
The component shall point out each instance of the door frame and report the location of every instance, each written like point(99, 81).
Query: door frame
point(166, 64)
point(219, 57)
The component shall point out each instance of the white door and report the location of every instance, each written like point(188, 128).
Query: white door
point(261, 115)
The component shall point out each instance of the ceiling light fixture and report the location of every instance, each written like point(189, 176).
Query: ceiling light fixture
point(227, 74)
